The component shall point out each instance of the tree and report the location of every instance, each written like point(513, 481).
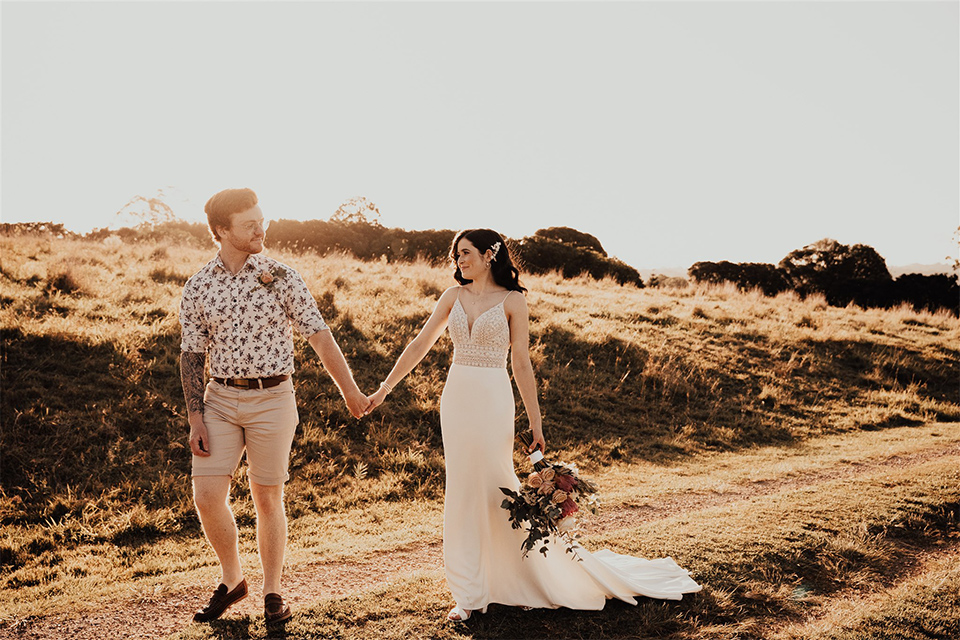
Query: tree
point(146, 211)
point(357, 210)
point(573, 238)
point(539, 254)
point(842, 273)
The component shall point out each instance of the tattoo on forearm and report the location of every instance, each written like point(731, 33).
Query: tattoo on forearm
point(191, 377)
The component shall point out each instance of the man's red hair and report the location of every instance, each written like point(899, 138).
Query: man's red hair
point(221, 206)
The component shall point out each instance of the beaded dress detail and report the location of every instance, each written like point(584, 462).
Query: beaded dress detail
point(486, 343)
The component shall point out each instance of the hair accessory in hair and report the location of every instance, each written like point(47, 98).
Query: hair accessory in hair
point(495, 247)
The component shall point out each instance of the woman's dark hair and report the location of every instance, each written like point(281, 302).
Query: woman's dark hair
point(502, 269)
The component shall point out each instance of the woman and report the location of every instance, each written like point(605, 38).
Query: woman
point(487, 317)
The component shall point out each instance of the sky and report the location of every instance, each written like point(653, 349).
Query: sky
point(673, 131)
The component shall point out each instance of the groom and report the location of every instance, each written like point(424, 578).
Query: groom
point(237, 314)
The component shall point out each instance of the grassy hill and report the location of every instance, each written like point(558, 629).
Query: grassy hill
point(95, 465)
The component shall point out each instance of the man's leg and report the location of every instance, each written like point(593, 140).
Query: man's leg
point(271, 532)
point(211, 495)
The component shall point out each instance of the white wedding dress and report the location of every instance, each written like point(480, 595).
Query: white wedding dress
point(481, 552)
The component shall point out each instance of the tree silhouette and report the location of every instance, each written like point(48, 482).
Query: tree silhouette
point(147, 211)
point(357, 210)
point(572, 237)
point(842, 273)
point(539, 254)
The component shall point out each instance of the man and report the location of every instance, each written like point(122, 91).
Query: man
point(240, 310)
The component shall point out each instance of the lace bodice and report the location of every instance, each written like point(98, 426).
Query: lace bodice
point(486, 343)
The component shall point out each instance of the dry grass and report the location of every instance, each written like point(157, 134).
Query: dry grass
point(789, 557)
point(924, 605)
point(95, 469)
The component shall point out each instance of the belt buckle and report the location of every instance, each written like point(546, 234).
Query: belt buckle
point(241, 383)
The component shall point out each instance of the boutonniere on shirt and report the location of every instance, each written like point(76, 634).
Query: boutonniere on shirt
point(269, 278)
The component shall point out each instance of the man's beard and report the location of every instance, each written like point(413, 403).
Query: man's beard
point(251, 246)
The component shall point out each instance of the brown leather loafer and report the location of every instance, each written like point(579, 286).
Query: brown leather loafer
point(220, 601)
point(275, 609)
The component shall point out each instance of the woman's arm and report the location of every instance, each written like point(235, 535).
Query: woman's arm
point(519, 319)
point(419, 346)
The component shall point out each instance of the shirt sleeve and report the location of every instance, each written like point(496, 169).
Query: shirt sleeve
point(195, 338)
point(301, 308)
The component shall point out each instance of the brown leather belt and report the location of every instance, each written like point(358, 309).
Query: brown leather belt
point(252, 383)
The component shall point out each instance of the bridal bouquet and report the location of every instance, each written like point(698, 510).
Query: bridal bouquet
point(547, 501)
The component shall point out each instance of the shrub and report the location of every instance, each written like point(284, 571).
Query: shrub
point(929, 292)
point(538, 254)
point(572, 237)
point(746, 275)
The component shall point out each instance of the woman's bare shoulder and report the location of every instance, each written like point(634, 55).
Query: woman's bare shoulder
point(448, 297)
point(451, 292)
point(515, 301)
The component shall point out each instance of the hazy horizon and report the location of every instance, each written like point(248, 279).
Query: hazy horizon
point(673, 132)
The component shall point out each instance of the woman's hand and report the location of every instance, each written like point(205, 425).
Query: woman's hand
point(357, 403)
point(538, 441)
point(376, 400)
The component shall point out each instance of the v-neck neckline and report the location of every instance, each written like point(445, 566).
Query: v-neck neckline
point(477, 319)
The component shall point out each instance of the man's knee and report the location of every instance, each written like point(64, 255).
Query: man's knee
point(210, 492)
point(267, 498)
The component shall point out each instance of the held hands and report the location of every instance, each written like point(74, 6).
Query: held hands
point(376, 399)
point(358, 404)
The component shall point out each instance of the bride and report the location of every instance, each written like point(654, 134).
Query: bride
point(487, 317)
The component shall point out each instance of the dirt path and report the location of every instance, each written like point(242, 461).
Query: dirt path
point(163, 613)
point(695, 501)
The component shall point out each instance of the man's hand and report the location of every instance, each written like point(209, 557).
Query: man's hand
point(199, 444)
point(357, 403)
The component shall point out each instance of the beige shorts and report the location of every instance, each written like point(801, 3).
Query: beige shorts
point(260, 421)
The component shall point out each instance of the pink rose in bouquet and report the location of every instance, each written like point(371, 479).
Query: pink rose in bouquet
point(546, 502)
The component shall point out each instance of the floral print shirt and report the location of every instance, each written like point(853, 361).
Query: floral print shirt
point(244, 322)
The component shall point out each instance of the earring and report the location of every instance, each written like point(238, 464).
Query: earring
point(487, 264)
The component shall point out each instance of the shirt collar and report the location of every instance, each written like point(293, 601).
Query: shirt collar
point(251, 263)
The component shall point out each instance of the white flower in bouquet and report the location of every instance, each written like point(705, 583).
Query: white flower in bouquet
point(567, 525)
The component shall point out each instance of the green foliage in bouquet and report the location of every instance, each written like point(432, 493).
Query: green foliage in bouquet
point(546, 503)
